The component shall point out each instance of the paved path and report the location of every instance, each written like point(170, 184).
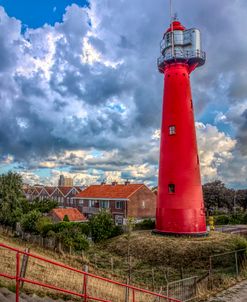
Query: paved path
point(237, 293)
point(8, 296)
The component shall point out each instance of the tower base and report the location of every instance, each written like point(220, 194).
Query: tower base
point(202, 234)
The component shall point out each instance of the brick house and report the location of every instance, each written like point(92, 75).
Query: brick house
point(74, 215)
point(122, 200)
point(64, 195)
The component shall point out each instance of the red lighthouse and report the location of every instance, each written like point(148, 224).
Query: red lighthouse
point(180, 205)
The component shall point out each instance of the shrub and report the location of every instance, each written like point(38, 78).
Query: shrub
point(66, 218)
point(146, 224)
point(103, 227)
point(29, 220)
point(70, 237)
point(44, 206)
point(221, 219)
point(43, 225)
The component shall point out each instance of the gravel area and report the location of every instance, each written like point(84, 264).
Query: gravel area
point(237, 293)
point(8, 296)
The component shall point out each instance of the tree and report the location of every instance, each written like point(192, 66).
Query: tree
point(13, 203)
point(216, 195)
point(29, 221)
point(43, 224)
point(102, 226)
point(241, 199)
point(66, 218)
point(43, 206)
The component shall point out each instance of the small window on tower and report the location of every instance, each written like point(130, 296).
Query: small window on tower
point(172, 130)
point(171, 188)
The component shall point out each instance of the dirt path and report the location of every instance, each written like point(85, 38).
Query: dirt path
point(237, 293)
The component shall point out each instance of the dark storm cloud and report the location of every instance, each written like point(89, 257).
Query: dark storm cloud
point(53, 99)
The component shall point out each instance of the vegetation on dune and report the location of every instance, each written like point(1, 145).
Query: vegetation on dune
point(103, 227)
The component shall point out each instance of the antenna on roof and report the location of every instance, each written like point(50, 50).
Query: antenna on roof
point(172, 33)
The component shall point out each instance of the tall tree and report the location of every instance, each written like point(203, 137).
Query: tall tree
point(12, 201)
point(216, 195)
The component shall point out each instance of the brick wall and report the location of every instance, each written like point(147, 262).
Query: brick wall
point(142, 204)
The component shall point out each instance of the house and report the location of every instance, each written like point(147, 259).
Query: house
point(64, 195)
point(122, 200)
point(73, 214)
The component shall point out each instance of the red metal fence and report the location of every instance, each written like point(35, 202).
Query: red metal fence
point(86, 286)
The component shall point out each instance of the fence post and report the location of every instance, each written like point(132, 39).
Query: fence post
point(127, 291)
point(17, 277)
point(112, 265)
point(24, 266)
point(236, 262)
point(85, 269)
point(210, 273)
point(133, 295)
point(153, 280)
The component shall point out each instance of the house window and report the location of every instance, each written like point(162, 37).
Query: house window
point(172, 130)
point(119, 204)
point(92, 203)
point(104, 204)
point(171, 188)
point(80, 202)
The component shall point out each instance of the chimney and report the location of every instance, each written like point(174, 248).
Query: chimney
point(103, 183)
point(114, 183)
point(127, 182)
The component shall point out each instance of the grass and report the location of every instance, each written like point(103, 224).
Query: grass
point(50, 274)
point(155, 260)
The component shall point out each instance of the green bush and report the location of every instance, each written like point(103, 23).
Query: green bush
point(103, 227)
point(43, 206)
point(146, 224)
point(42, 224)
point(66, 218)
point(29, 220)
point(72, 238)
point(238, 218)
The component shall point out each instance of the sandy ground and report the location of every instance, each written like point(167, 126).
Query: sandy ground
point(237, 293)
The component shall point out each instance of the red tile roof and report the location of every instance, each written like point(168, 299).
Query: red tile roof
point(50, 190)
point(65, 190)
point(72, 213)
point(120, 191)
point(38, 189)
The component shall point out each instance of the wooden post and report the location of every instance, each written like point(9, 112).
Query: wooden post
point(24, 266)
point(84, 288)
point(210, 272)
point(127, 291)
point(153, 280)
point(112, 265)
point(236, 262)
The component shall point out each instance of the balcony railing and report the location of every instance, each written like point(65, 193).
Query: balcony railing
point(90, 210)
point(182, 55)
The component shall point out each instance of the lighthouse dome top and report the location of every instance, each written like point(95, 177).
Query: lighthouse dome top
point(175, 25)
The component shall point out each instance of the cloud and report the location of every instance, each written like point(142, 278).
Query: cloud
point(89, 85)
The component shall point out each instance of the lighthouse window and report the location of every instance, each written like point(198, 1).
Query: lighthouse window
point(172, 130)
point(171, 188)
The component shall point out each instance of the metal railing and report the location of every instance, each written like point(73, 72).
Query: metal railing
point(87, 286)
point(185, 289)
point(181, 54)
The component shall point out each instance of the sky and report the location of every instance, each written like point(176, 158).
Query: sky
point(81, 94)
